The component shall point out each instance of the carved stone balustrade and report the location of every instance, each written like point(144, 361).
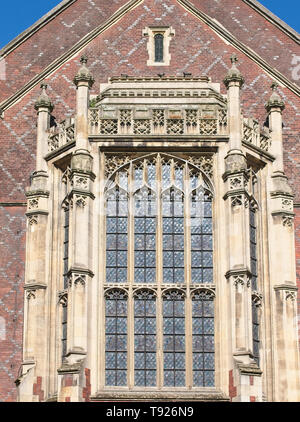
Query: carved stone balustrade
point(253, 134)
point(62, 134)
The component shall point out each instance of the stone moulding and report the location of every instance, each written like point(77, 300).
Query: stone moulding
point(239, 276)
point(287, 217)
point(250, 369)
point(74, 368)
point(290, 290)
point(78, 276)
point(201, 395)
point(31, 288)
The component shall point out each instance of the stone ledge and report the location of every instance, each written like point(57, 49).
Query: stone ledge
point(163, 395)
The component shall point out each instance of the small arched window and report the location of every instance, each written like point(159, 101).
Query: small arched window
point(159, 47)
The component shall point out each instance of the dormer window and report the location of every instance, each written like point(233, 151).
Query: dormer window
point(158, 45)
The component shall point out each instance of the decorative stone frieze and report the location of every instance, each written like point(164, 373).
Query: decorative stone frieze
point(193, 121)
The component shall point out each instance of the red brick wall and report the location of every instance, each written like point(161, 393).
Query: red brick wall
point(121, 49)
point(12, 255)
point(53, 40)
point(252, 29)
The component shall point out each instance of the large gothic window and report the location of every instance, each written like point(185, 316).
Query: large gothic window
point(159, 291)
point(159, 47)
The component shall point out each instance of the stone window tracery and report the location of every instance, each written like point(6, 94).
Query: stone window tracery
point(154, 207)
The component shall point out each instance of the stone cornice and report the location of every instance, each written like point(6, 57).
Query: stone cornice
point(250, 369)
point(207, 394)
point(34, 286)
point(286, 287)
point(79, 270)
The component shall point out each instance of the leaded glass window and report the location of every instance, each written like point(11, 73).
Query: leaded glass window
point(203, 339)
point(65, 275)
point(173, 236)
point(253, 248)
point(253, 267)
point(116, 236)
point(159, 47)
point(145, 338)
point(145, 236)
point(116, 338)
point(174, 338)
point(201, 237)
point(159, 246)
point(255, 332)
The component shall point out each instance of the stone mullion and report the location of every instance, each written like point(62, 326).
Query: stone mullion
point(101, 277)
point(159, 276)
point(188, 340)
point(187, 258)
point(131, 280)
point(130, 339)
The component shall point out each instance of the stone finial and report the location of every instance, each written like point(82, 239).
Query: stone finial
point(84, 75)
point(275, 100)
point(43, 100)
point(233, 75)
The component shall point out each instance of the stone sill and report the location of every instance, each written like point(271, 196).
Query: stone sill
point(209, 394)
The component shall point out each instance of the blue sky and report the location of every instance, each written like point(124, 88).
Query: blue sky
point(18, 15)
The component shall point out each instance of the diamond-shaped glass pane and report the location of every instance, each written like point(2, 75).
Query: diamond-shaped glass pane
point(197, 361)
point(198, 379)
point(208, 324)
point(209, 378)
point(121, 360)
point(121, 378)
point(150, 378)
point(207, 275)
point(179, 360)
point(110, 360)
point(179, 378)
point(209, 361)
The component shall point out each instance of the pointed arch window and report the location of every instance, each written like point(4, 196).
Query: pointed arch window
point(159, 248)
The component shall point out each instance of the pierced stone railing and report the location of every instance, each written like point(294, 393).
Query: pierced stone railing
point(61, 134)
point(157, 121)
point(253, 134)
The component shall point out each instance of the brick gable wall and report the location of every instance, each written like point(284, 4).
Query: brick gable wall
point(121, 49)
point(252, 29)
